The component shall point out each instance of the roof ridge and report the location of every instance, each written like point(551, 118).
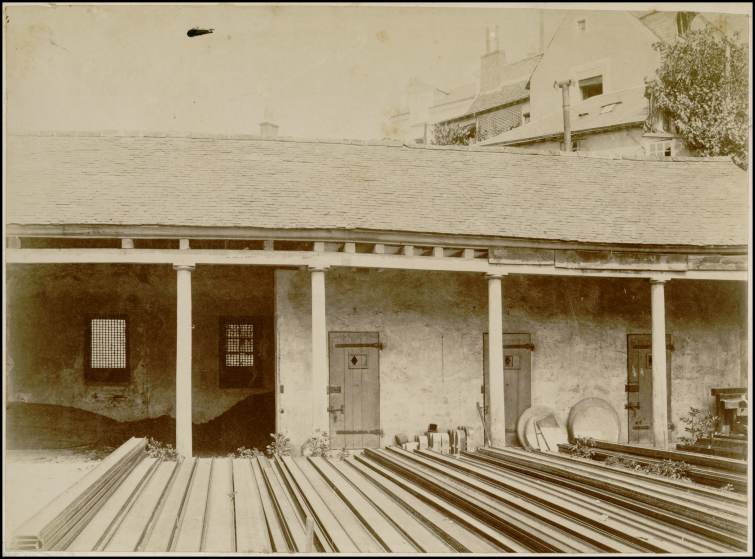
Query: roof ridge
point(475, 148)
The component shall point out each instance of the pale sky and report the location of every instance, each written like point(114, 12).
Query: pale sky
point(317, 71)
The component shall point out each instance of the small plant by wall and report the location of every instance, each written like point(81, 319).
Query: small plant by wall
point(317, 445)
point(160, 450)
point(700, 425)
point(280, 445)
point(244, 452)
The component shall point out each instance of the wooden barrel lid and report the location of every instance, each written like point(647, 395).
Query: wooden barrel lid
point(594, 418)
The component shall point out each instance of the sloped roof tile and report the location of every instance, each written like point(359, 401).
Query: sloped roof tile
point(277, 184)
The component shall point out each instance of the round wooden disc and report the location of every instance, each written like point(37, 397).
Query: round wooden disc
point(525, 426)
point(594, 418)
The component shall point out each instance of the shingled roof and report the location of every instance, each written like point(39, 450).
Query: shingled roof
point(286, 184)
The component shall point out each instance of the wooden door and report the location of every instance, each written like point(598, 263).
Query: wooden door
point(354, 390)
point(517, 381)
point(639, 387)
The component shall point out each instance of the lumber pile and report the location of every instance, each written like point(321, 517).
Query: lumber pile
point(382, 501)
point(56, 525)
point(705, 474)
point(693, 513)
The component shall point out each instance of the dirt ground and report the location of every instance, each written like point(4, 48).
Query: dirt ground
point(34, 477)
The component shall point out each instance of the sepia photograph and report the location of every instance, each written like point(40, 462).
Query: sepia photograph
point(377, 278)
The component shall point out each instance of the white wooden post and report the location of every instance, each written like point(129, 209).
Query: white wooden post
point(320, 372)
point(496, 414)
point(183, 360)
point(660, 393)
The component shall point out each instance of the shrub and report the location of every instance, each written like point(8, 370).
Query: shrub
point(584, 447)
point(158, 449)
point(280, 445)
point(317, 445)
point(244, 452)
point(699, 424)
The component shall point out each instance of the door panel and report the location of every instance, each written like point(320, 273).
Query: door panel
point(354, 390)
point(639, 387)
point(517, 381)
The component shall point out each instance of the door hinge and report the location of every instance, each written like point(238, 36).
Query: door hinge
point(334, 389)
point(632, 406)
point(336, 410)
point(632, 387)
point(531, 347)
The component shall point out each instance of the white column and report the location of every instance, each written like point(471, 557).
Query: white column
point(320, 372)
point(496, 415)
point(183, 360)
point(660, 393)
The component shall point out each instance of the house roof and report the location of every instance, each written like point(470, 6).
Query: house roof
point(227, 181)
point(516, 76)
point(618, 108)
point(505, 95)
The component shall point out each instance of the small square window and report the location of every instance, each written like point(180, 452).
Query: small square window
point(526, 117)
point(591, 87)
point(581, 24)
point(238, 352)
point(107, 350)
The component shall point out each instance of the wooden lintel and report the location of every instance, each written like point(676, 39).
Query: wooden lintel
point(614, 260)
point(309, 235)
point(717, 262)
point(515, 255)
point(278, 258)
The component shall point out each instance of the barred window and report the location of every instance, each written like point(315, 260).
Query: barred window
point(238, 353)
point(107, 349)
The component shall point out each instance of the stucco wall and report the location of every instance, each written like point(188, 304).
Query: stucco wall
point(432, 325)
point(48, 307)
point(615, 44)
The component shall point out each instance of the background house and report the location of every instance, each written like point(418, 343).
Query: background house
point(607, 56)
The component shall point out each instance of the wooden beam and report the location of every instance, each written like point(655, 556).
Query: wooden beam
point(350, 248)
point(183, 244)
point(379, 248)
point(407, 250)
point(468, 253)
point(127, 243)
point(609, 260)
point(438, 252)
point(268, 244)
point(309, 258)
point(387, 237)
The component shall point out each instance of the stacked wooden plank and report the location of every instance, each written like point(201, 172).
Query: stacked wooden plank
point(703, 474)
point(694, 513)
point(58, 523)
point(382, 501)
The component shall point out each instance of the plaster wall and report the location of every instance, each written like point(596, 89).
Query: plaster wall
point(47, 317)
point(432, 326)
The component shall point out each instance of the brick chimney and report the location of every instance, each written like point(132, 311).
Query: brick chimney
point(268, 130)
point(492, 62)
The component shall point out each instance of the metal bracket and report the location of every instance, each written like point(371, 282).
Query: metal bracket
point(378, 345)
point(336, 410)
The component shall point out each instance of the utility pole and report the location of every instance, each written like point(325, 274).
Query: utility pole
point(564, 85)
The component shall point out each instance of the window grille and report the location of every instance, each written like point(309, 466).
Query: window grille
point(108, 349)
point(238, 352)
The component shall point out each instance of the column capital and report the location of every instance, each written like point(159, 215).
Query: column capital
point(654, 280)
point(495, 275)
point(189, 267)
point(323, 268)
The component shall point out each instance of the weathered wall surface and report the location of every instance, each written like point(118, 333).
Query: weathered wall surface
point(432, 326)
point(629, 142)
point(48, 307)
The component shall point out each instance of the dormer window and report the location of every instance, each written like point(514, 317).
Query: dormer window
point(591, 87)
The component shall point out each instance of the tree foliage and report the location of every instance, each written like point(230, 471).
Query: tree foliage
point(702, 86)
point(453, 133)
